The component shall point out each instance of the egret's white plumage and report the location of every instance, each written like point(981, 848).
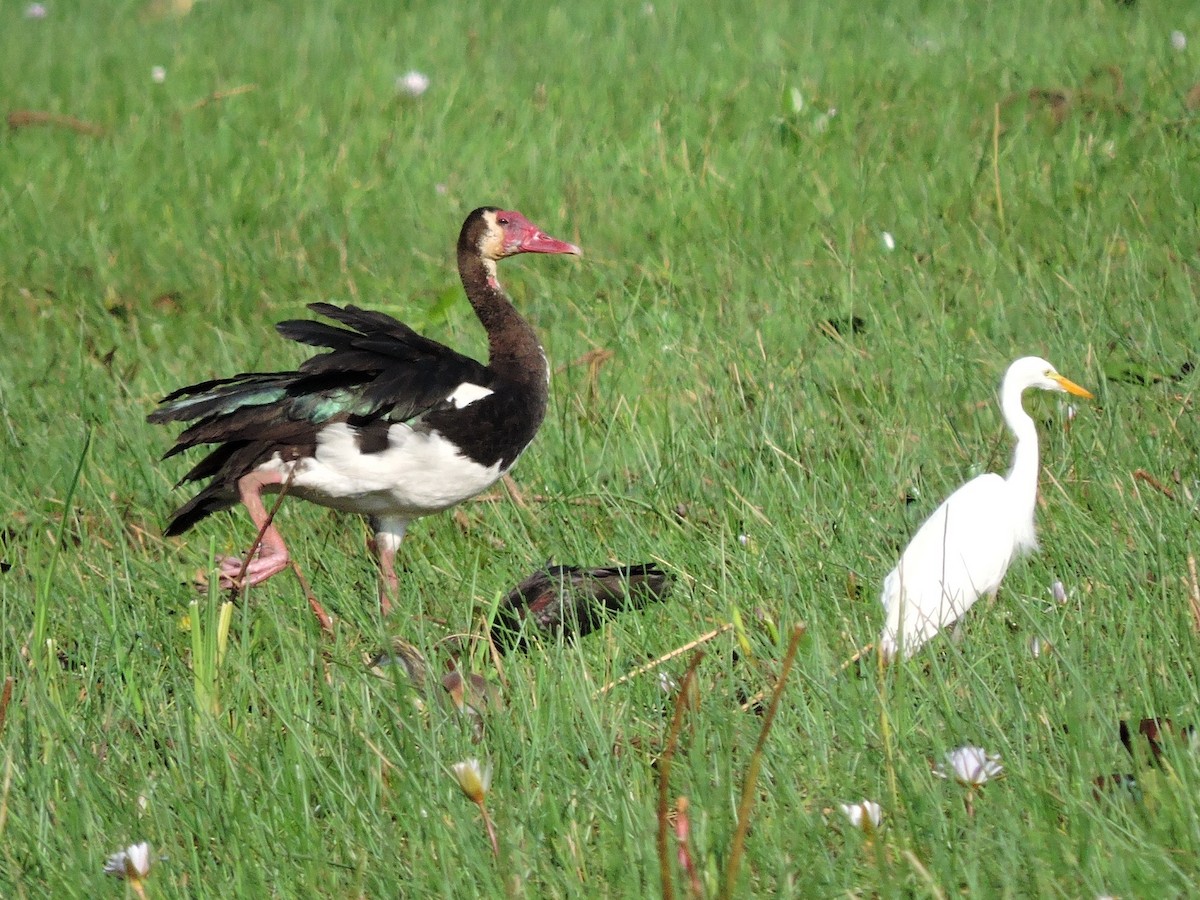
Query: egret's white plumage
point(963, 550)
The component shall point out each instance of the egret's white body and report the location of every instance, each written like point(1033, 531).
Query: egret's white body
point(963, 550)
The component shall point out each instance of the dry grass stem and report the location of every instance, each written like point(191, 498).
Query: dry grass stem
point(750, 785)
point(23, 118)
point(666, 657)
point(664, 777)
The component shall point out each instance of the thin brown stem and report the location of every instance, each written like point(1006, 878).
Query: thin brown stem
point(491, 829)
point(996, 165)
point(21, 118)
point(222, 95)
point(323, 617)
point(1143, 475)
point(6, 695)
point(664, 778)
point(514, 491)
point(1193, 599)
point(750, 786)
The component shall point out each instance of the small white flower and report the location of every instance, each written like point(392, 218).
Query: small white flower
point(647, 9)
point(1037, 647)
point(889, 242)
point(797, 100)
point(413, 83)
point(864, 816)
point(970, 766)
point(132, 863)
point(35, 11)
point(158, 74)
point(1059, 592)
point(474, 778)
point(744, 540)
point(1179, 40)
point(440, 189)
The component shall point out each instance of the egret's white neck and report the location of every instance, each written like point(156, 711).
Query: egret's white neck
point(1023, 476)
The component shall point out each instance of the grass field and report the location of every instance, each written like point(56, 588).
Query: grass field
point(805, 393)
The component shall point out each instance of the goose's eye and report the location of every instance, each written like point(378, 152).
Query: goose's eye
point(502, 220)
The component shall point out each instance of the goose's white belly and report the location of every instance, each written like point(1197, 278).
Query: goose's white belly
point(419, 473)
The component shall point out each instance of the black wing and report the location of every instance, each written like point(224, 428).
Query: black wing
point(377, 372)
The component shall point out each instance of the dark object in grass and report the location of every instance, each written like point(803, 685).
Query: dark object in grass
point(5, 565)
point(842, 326)
point(572, 601)
point(1153, 729)
point(471, 695)
point(1116, 784)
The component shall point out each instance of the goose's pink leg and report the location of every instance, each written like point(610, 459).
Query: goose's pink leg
point(272, 555)
point(388, 535)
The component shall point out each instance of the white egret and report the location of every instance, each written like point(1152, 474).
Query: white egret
point(963, 550)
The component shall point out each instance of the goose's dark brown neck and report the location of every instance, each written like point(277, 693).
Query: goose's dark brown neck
point(513, 347)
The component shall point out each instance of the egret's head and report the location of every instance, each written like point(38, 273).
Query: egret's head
point(1035, 372)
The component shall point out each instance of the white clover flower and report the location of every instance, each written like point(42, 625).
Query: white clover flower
point(821, 123)
point(744, 540)
point(1059, 592)
point(132, 863)
point(889, 242)
point(865, 815)
point(413, 83)
point(971, 766)
point(474, 778)
point(35, 11)
point(1179, 40)
point(158, 74)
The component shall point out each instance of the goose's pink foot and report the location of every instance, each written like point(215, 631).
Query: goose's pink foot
point(271, 558)
point(267, 562)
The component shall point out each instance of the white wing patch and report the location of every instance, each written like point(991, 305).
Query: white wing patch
point(419, 472)
point(467, 393)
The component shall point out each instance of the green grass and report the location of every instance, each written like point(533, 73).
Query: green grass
point(732, 227)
